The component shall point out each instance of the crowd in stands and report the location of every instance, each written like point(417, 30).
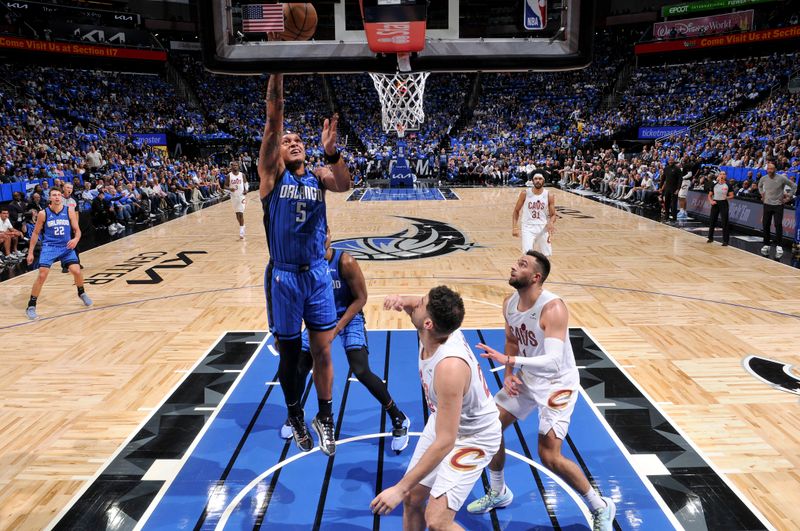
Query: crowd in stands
point(77, 126)
point(687, 93)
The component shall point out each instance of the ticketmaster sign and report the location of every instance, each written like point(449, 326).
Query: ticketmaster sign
point(650, 133)
point(709, 5)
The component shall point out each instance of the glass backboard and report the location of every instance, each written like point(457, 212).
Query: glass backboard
point(461, 36)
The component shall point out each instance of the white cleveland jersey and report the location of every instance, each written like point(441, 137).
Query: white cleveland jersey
point(534, 210)
point(236, 181)
point(478, 410)
point(526, 328)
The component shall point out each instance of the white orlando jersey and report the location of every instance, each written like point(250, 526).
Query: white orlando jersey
point(478, 410)
point(526, 328)
point(534, 211)
point(236, 181)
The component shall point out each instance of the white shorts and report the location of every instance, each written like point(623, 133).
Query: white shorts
point(682, 193)
point(537, 239)
point(555, 404)
point(462, 467)
point(239, 201)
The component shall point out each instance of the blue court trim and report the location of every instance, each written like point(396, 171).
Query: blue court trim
point(295, 501)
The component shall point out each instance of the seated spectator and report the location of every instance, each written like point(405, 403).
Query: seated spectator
point(9, 239)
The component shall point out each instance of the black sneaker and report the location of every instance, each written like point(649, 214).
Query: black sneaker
point(324, 428)
point(302, 437)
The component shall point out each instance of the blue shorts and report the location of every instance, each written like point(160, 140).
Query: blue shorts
point(353, 336)
point(294, 297)
point(53, 254)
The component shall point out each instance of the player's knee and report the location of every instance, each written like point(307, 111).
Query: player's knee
point(550, 457)
point(43, 274)
point(414, 499)
point(358, 358)
point(437, 518)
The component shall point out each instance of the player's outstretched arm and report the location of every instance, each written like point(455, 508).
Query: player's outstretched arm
point(551, 213)
point(335, 175)
point(270, 163)
point(451, 381)
point(402, 303)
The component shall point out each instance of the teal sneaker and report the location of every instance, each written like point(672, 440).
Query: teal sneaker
point(492, 500)
point(603, 519)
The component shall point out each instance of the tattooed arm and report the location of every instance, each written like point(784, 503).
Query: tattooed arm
point(270, 162)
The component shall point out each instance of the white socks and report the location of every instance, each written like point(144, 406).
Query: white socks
point(593, 500)
point(497, 481)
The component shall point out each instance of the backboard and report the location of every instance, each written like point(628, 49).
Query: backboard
point(461, 36)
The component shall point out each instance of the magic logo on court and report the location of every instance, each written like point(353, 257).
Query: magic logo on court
point(425, 238)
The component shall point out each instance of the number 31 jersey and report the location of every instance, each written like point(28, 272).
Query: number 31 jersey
point(295, 220)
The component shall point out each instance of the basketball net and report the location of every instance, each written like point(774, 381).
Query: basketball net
point(401, 96)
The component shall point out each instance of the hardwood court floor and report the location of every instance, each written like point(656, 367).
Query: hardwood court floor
point(678, 314)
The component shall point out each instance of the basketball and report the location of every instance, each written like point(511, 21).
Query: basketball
point(299, 22)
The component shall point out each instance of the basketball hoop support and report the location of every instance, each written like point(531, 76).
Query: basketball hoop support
point(404, 62)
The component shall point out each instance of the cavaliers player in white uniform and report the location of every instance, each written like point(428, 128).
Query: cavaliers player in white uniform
point(463, 430)
point(237, 184)
point(538, 208)
point(540, 374)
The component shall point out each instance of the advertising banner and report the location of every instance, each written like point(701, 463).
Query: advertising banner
point(153, 139)
point(100, 34)
point(646, 133)
point(111, 52)
point(713, 25)
point(401, 174)
point(708, 5)
point(742, 213)
point(51, 11)
point(775, 34)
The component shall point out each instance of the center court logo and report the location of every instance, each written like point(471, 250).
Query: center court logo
point(425, 238)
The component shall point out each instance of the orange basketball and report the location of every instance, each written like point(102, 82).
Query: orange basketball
point(299, 22)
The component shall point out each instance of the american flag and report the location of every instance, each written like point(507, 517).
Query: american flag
point(262, 17)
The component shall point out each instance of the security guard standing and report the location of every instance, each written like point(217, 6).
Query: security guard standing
point(718, 197)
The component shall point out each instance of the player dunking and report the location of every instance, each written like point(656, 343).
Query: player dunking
point(237, 184)
point(54, 223)
point(538, 208)
point(350, 294)
point(297, 284)
point(537, 344)
point(463, 431)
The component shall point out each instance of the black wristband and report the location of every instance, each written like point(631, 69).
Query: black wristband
point(333, 159)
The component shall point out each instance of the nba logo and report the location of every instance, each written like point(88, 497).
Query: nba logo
point(535, 14)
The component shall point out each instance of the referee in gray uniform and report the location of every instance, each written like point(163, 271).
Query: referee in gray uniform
point(718, 197)
point(771, 187)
